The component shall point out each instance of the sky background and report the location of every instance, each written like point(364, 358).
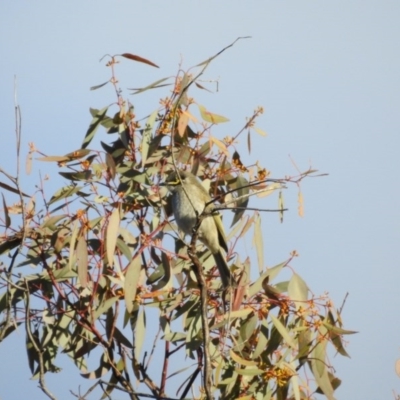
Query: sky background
point(327, 75)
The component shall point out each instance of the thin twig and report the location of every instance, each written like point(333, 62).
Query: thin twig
point(207, 370)
point(39, 351)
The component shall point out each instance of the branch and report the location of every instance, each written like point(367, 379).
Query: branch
point(207, 376)
point(39, 351)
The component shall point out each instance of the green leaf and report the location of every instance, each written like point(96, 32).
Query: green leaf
point(77, 154)
point(140, 333)
point(82, 260)
point(122, 339)
point(6, 216)
point(74, 236)
point(283, 331)
point(10, 243)
point(271, 273)
point(99, 86)
point(50, 222)
point(111, 165)
point(337, 330)
point(240, 183)
point(101, 370)
point(184, 86)
point(132, 276)
point(319, 366)
point(211, 117)
point(77, 176)
point(112, 234)
point(153, 85)
point(124, 248)
point(98, 116)
point(174, 337)
point(104, 306)
point(298, 291)
point(166, 275)
point(236, 358)
point(64, 192)
point(11, 189)
point(247, 328)
point(262, 340)
point(249, 371)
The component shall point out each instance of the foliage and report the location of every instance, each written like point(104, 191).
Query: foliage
point(113, 280)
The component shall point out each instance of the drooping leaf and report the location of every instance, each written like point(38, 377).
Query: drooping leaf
point(242, 361)
point(59, 159)
point(51, 221)
point(122, 339)
point(77, 154)
point(101, 370)
point(271, 273)
point(139, 59)
point(104, 307)
point(77, 176)
point(298, 291)
point(319, 367)
point(262, 340)
point(64, 192)
point(147, 135)
point(74, 236)
point(337, 330)
point(112, 235)
point(11, 189)
point(211, 117)
point(251, 371)
point(248, 328)
point(206, 62)
point(220, 145)
point(10, 243)
point(98, 116)
point(258, 242)
point(283, 331)
point(202, 87)
point(110, 165)
point(124, 248)
point(182, 124)
point(140, 333)
point(99, 86)
point(241, 184)
point(28, 163)
point(7, 218)
point(397, 368)
point(153, 85)
point(259, 131)
point(183, 91)
point(300, 203)
point(82, 260)
point(174, 337)
point(132, 276)
point(165, 280)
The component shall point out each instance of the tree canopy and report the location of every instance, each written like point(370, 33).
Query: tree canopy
point(115, 283)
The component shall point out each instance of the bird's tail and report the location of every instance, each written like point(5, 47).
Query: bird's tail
point(226, 275)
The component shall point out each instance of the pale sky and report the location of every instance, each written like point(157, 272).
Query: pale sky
point(327, 75)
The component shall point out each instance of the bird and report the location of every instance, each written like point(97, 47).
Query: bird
point(189, 200)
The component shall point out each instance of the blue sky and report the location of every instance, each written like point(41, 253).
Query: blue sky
point(327, 75)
